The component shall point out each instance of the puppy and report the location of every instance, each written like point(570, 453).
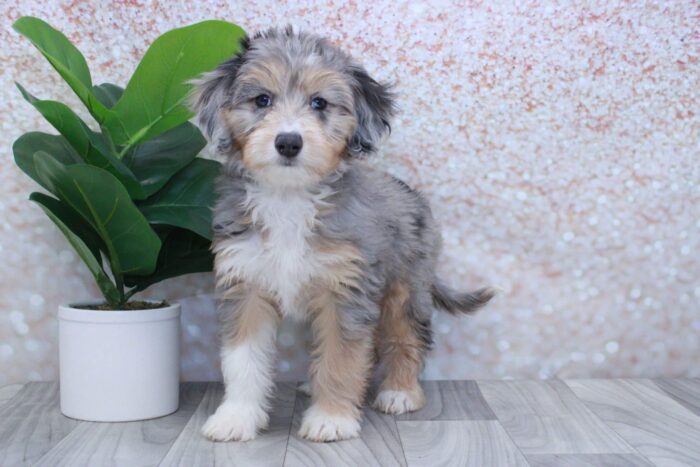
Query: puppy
point(304, 228)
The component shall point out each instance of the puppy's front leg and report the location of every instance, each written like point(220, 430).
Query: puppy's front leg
point(342, 359)
point(247, 359)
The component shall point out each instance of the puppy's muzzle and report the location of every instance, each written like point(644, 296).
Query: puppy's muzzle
point(288, 144)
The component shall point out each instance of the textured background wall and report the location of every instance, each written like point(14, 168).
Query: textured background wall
point(559, 146)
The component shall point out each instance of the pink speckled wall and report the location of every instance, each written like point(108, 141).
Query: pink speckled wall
point(559, 146)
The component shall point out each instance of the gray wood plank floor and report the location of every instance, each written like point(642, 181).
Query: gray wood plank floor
point(685, 391)
point(134, 443)
point(658, 427)
point(553, 423)
point(8, 392)
point(546, 417)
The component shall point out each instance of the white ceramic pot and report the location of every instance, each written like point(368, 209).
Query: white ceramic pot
point(117, 366)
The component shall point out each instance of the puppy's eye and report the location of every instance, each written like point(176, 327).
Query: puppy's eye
point(318, 103)
point(263, 100)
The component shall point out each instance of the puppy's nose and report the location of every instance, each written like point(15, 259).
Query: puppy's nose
point(288, 144)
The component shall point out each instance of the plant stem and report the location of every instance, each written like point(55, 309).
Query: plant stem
point(130, 294)
point(114, 304)
point(119, 282)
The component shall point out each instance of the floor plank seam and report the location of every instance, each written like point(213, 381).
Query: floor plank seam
point(512, 440)
point(185, 425)
point(291, 424)
point(674, 397)
point(600, 419)
point(398, 434)
point(497, 420)
point(634, 449)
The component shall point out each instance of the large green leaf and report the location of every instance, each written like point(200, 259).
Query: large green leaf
point(100, 199)
point(61, 117)
point(82, 241)
point(157, 160)
point(88, 144)
point(56, 145)
point(183, 252)
point(153, 100)
point(108, 94)
point(186, 201)
point(65, 58)
point(73, 221)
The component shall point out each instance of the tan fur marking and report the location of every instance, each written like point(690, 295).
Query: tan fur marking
point(254, 310)
point(329, 148)
point(269, 75)
point(333, 87)
point(344, 265)
point(397, 344)
point(326, 154)
point(340, 368)
point(256, 151)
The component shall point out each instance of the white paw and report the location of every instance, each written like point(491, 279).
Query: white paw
point(232, 422)
point(398, 402)
point(318, 425)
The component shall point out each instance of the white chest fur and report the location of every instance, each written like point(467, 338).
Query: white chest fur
point(278, 255)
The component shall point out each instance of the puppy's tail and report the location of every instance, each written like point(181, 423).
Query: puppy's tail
point(460, 302)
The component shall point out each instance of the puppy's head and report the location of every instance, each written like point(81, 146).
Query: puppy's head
point(290, 106)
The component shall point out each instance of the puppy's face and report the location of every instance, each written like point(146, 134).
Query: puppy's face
point(290, 107)
point(290, 121)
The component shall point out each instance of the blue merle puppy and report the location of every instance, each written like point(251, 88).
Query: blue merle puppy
point(305, 229)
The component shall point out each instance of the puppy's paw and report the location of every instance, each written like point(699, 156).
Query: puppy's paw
point(398, 402)
point(319, 425)
point(232, 422)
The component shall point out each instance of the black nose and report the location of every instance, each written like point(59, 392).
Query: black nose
point(288, 144)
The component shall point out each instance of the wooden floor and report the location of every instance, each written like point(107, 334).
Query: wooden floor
point(465, 423)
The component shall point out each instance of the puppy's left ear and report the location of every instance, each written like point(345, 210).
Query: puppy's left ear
point(374, 107)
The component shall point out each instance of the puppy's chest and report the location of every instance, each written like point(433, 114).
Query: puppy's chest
point(280, 253)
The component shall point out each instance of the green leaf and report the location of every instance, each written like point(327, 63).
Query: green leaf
point(56, 145)
point(108, 94)
point(88, 144)
point(66, 60)
point(186, 201)
point(73, 221)
point(157, 160)
point(153, 100)
point(65, 221)
point(183, 252)
point(61, 117)
point(100, 199)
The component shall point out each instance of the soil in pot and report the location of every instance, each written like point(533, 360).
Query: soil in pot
point(135, 305)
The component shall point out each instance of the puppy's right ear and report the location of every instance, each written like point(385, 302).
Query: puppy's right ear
point(212, 92)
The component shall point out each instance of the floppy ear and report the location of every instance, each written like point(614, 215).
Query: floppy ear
point(374, 107)
point(213, 92)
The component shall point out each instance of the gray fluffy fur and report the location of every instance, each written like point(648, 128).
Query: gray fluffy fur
point(393, 227)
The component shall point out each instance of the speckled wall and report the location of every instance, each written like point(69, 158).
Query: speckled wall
point(559, 146)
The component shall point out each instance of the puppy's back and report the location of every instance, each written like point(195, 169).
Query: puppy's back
point(390, 222)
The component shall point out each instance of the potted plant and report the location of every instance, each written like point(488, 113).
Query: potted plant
point(134, 201)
